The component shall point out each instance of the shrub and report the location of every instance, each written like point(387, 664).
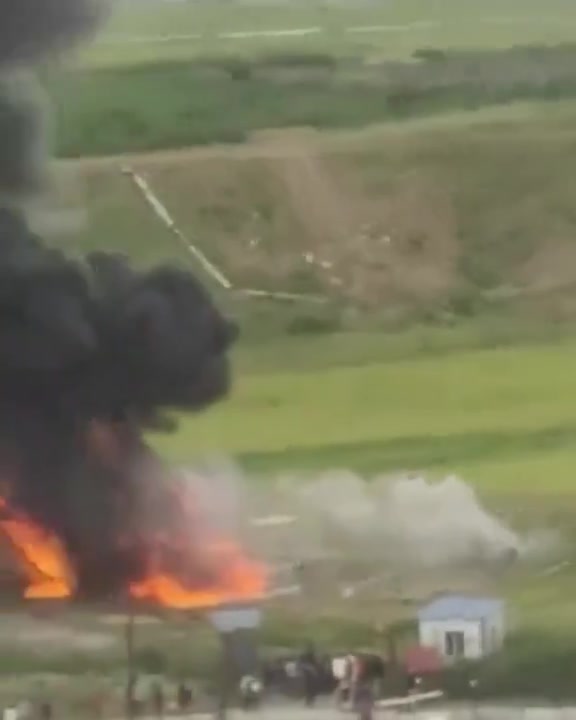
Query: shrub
point(430, 55)
point(322, 61)
point(122, 109)
point(531, 666)
point(464, 301)
point(237, 69)
point(313, 325)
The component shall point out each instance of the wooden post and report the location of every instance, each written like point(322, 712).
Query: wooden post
point(229, 621)
point(226, 677)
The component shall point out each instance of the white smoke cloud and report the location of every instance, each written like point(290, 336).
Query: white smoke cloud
point(372, 528)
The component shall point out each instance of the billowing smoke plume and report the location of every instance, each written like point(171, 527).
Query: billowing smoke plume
point(411, 520)
point(32, 30)
point(386, 520)
point(91, 352)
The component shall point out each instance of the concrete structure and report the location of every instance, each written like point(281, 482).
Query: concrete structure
point(461, 627)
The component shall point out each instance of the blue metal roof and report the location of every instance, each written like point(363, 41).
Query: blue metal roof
point(460, 607)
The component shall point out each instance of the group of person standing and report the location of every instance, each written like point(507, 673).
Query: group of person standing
point(352, 679)
point(359, 677)
point(148, 696)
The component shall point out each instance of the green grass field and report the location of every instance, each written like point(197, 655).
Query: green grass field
point(405, 25)
point(226, 97)
point(478, 206)
point(504, 420)
point(168, 75)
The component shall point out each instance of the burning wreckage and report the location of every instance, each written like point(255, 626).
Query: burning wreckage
point(92, 354)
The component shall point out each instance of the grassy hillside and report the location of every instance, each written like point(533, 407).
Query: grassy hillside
point(451, 233)
point(445, 236)
point(226, 98)
point(430, 222)
point(387, 29)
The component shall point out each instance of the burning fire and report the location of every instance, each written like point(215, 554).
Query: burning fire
point(42, 557)
point(231, 577)
point(236, 579)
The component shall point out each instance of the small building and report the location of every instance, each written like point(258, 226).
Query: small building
point(461, 627)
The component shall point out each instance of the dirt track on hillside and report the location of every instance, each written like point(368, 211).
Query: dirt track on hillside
point(357, 242)
point(281, 145)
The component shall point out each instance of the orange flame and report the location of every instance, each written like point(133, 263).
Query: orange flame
point(43, 558)
point(238, 579)
point(49, 575)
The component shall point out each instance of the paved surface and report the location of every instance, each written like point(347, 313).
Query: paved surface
point(454, 712)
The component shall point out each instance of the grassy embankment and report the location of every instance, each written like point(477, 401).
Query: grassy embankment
point(222, 99)
point(499, 230)
point(370, 29)
point(133, 92)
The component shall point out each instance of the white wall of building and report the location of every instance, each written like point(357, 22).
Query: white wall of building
point(481, 637)
point(497, 627)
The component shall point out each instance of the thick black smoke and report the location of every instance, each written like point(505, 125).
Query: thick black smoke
point(92, 352)
point(32, 30)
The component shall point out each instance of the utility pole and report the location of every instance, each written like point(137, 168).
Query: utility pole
point(236, 626)
point(131, 678)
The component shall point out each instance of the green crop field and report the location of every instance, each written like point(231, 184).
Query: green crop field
point(390, 29)
point(505, 420)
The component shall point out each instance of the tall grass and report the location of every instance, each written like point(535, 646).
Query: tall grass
point(152, 107)
point(452, 411)
point(217, 100)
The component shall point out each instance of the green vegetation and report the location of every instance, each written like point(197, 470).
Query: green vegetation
point(503, 419)
point(490, 199)
point(534, 667)
point(402, 26)
point(464, 217)
point(225, 99)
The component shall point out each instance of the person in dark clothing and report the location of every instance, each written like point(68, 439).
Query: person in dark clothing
point(184, 698)
point(157, 699)
point(309, 670)
point(45, 711)
point(363, 680)
point(310, 685)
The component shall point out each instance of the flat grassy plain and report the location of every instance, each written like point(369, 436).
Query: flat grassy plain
point(397, 28)
point(502, 419)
